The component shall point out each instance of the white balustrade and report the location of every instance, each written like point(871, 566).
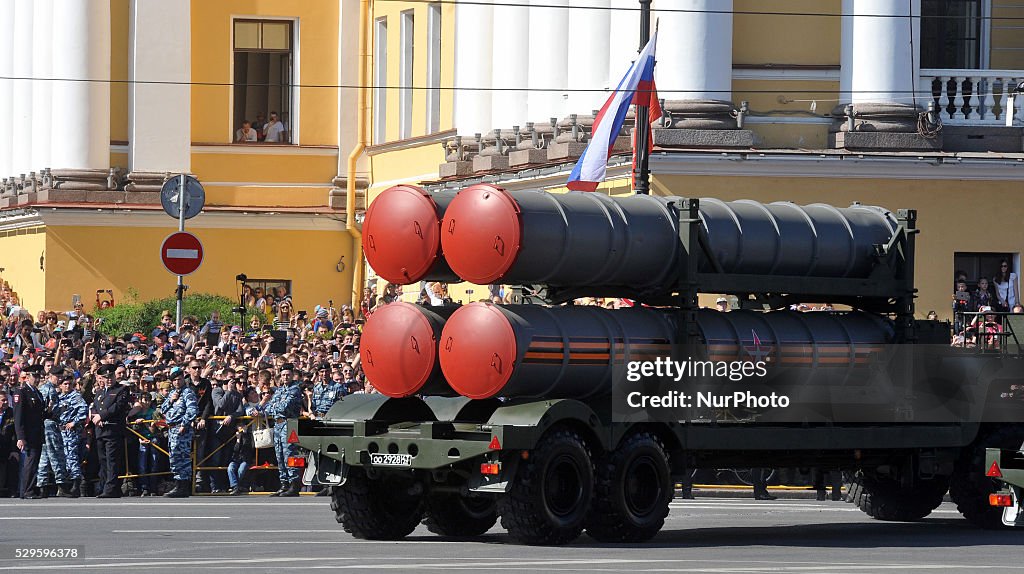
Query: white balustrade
point(973, 97)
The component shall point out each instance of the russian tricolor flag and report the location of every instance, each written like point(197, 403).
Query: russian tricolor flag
point(637, 87)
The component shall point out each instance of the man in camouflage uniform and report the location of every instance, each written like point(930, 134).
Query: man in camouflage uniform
point(325, 393)
point(180, 411)
point(285, 404)
point(52, 459)
point(73, 414)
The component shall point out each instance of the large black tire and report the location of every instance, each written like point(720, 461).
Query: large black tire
point(632, 491)
point(461, 516)
point(887, 500)
point(381, 509)
point(551, 491)
point(969, 487)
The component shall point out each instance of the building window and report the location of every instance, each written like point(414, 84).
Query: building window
point(434, 68)
point(951, 34)
point(263, 80)
point(977, 265)
point(380, 79)
point(406, 67)
point(272, 291)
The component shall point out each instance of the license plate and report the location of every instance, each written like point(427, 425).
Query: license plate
point(380, 459)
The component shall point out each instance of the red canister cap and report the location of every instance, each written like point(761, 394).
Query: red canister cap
point(478, 350)
point(401, 234)
point(399, 349)
point(481, 233)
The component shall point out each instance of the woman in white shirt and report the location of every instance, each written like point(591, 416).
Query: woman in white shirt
point(1007, 288)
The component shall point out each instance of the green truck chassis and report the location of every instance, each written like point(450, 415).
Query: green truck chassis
point(553, 468)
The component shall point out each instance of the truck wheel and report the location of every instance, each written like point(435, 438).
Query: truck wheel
point(888, 500)
point(632, 491)
point(550, 493)
point(381, 509)
point(462, 516)
point(969, 487)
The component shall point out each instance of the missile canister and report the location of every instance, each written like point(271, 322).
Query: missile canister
point(402, 235)
point(568, 352)
point(586, 239)
point(399, 350)
point(550, 352)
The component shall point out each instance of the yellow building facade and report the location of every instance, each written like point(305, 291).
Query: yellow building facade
point(171, 83)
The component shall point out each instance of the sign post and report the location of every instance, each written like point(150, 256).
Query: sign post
point(180, 291)
point(182, 198)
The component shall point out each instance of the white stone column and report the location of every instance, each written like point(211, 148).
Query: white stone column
point(473, 49)
point(511, 65)
point(21, 113)
point(589, 31)
point(549, 60)
point(160, 43)
point(81, 110)
point(880, 53)
point(695, 50)
point(624, 42)
point(42, 89)
point(6, 94)
point(880, 68)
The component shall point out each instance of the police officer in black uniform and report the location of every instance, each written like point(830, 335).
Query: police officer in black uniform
point(29, 413)
point(109, 413)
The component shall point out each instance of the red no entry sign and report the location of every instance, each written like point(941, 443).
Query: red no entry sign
point(182, 253)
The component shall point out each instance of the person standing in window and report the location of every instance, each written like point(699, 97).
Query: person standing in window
point(982, 297)
point(274, 130)
point(1007, 290)
point(259, 125)
point(246, 134)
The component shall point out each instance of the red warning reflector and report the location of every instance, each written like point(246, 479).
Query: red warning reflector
point(490, 468)
point(293, 437)
point(296, 462)
point(994, 471)
point(1000, 500)
point(495, 444)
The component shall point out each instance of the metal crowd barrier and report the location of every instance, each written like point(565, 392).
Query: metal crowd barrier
point(197, 465)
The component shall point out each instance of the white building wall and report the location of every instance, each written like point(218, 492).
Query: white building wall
point(21, 101)
point(549, 60)
point(160, 43)
point(588, 57)
point(81, 51)
point(624, 41)
point(473, 50)
point(511, 65)
point(6, 93)
point(695, 50)
point(42, 89)
point(880, 58)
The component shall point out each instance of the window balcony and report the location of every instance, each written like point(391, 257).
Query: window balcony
point(974, 97)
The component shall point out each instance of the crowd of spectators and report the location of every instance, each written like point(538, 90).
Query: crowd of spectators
point(233, 369)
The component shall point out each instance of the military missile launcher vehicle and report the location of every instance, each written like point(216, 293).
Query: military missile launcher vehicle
point(557, 419)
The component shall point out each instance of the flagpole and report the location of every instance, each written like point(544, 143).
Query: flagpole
point(643, 123)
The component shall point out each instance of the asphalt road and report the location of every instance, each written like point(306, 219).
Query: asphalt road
point(721, 535)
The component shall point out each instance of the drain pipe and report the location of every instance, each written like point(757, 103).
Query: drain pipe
point(353, 157)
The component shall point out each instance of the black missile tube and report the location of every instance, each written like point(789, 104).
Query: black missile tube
point(568, 352)
point(587, 239)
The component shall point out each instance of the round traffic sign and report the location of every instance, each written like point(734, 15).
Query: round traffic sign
point(195, 196)
point(181, 253)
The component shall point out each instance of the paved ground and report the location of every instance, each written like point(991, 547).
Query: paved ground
point(721, 535)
